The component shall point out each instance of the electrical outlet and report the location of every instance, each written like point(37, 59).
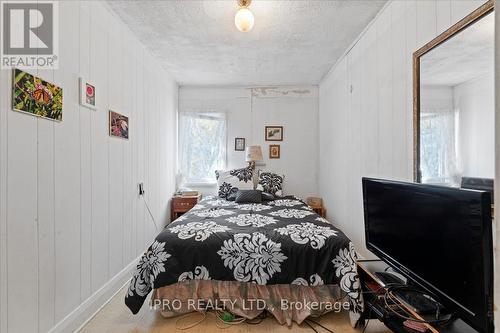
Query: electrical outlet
point(141, 188)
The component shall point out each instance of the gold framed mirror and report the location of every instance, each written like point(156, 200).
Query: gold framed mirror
point(443, 70)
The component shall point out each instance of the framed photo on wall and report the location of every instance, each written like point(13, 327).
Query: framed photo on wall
point(274, 133)
point(87, 94)
point(274, 151)
point(118, 125)
point(33, 95)
point(239, 144)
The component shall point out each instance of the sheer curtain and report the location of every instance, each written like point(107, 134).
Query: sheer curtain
point(202, 145)
point(438, 153)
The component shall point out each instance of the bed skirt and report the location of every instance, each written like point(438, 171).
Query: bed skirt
point(286, 302)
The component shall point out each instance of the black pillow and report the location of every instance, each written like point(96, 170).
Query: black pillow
point(267, 196)
point(248, 196)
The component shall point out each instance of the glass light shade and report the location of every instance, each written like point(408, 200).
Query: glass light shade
point(244, 20)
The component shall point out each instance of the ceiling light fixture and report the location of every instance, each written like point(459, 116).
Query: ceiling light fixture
point(244, 19)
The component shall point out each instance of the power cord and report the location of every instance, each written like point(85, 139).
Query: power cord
point(223, 319)
point(377, 294)
point(141, 193)
point(389, 296)
point(309, 321)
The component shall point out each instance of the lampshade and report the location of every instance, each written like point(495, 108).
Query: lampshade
point(253, 154)
point(244, 19)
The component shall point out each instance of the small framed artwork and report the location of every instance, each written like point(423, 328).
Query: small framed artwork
point(239, 144)
point(35, 96)
point(118, 125)
point(87, 94)
point(274, 151)
point(274, 133)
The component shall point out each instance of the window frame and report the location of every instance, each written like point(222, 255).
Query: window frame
point(200, 114)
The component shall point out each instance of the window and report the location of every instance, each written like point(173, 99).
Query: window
point(202, 145)
point(438, 146)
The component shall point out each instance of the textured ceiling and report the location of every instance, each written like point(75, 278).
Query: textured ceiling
point(292, 42)
point(468, 55)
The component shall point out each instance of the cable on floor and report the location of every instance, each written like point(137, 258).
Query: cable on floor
point(309, 321)
point(191, 325)
point(221, 319)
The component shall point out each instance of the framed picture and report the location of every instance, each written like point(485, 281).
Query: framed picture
point(239, 144)
point(274, 133)
point(118, 125)
point(87, 94)
point(274, 151)
point(32, 95)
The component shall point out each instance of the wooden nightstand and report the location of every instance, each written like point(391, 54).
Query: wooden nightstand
point(181, 204)
point(317, 205)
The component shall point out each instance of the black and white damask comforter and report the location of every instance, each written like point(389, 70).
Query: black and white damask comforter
point(279, 242)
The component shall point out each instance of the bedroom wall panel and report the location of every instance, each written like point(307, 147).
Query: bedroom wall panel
point(116, 147)
point(5, 80)
point(443, 15)
point(71, 220)
point(400, 76)
point(46, 218)
point(376, 132)
point(85, 158)
point(99, 146)
point(22, 265)
point(411, 45)
point(67, 168)
point(426, 21)
point(294, 108)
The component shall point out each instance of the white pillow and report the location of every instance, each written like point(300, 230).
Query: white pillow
point(233, 180)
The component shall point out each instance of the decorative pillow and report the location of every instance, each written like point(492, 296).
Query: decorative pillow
point(248, 196)
point(271, 183)
point(267, 196)
point(232, 194)
point(241, 179)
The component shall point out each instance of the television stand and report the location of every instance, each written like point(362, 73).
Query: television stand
point(375, 309)
point(388, 278)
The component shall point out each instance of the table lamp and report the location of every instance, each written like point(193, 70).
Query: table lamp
point(252, 155)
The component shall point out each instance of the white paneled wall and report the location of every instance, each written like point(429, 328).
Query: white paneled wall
point(365, 109)
point(70, 216)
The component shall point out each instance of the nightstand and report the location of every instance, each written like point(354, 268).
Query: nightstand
point(181, 204)
point(317, 205)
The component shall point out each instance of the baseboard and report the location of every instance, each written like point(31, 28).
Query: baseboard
point(75, 321)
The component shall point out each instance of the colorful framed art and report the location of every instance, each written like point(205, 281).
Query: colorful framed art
point(35, 96)
point(118, 125)
point(88, 94)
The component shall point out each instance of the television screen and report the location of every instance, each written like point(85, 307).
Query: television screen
point(438, 237)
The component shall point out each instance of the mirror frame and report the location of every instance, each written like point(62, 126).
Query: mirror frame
point(461, 25)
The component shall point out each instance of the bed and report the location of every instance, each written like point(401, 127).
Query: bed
point(271, 251)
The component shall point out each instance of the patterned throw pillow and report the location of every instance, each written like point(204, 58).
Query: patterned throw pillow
point(233, 180)
point(248, 196)
point(271, 183)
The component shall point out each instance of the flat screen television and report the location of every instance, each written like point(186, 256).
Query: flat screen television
point(440, 238)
